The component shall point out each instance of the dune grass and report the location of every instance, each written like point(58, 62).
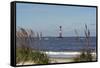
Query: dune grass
point(86, 52)
point(24, 52)
point(27, 55)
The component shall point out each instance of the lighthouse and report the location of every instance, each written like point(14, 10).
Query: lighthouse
point(60, 31)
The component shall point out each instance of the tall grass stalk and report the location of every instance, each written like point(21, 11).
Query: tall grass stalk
point(24, 50)
point(86, 52)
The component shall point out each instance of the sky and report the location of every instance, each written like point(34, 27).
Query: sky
point(47, 19)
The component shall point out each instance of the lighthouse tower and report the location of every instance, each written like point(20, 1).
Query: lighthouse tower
point(60, 31)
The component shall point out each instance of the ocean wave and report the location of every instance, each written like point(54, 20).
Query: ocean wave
point(64, 54)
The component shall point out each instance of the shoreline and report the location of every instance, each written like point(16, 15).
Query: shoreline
point(67, 54)
point(59, 57)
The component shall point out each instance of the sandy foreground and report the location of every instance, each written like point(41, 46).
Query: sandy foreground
point(60, 60)
point(58, 57)
point(52, 60)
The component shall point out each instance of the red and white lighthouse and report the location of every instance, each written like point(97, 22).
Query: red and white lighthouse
point(60, 31)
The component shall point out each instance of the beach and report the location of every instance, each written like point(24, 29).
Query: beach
point(59, 57)
point(61, 60)
point(64, 57)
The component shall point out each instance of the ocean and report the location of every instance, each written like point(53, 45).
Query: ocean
point(63, 44)
point(60, 47)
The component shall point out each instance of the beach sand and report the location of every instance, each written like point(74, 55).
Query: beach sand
point(26, 63)
point(60, 60)
point(52, 60)
point(59, 57)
